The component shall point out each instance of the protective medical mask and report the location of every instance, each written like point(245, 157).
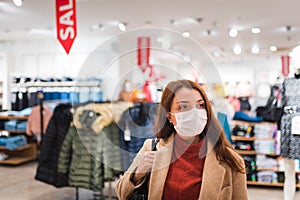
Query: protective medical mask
point(190, 123)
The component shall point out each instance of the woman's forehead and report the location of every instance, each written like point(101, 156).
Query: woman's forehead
point(186, 94)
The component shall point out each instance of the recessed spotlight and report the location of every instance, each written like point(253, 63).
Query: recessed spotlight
point(122, 26)
point(186, 34)
point(273, 48)
point(237, 50)
point(233, 32)
point(255, 30)
point(18, 2)
point(255, 49)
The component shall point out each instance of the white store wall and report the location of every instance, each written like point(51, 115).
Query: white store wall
point(46, 58)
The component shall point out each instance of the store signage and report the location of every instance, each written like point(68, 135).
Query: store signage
point(143, 53)
point(66, 23)
point(285, 65)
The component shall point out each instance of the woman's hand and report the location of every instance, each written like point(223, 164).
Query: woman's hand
point(144, 166)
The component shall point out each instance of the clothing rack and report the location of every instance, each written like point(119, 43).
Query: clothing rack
point(41, 98)
point(99, 195)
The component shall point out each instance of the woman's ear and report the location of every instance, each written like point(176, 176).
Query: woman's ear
point(169, 117)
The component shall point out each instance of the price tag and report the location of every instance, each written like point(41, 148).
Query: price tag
point(296, 125)
point(127, 136)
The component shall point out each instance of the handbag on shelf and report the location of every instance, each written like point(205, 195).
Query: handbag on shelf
point(141, 193)
point(270, 112)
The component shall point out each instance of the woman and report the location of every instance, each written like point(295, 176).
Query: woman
point(193, 158)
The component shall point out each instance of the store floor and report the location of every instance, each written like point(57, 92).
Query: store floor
point(17, 183)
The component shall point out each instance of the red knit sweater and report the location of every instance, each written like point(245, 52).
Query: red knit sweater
point(185, 172)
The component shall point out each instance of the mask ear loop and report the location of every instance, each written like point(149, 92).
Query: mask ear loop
point(169, 118)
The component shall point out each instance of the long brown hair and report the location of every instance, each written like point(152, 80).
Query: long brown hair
point(213, 129)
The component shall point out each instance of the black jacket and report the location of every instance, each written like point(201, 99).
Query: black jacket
point(51, 144)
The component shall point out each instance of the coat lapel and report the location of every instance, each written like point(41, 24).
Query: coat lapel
point(160, 168)
point(213, 173)
point(213, 176)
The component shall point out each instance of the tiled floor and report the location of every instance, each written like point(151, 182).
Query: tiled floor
point(17, 183)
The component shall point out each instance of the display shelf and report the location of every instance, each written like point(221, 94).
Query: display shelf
point(251, 139)
point(243, 138)
point(255, 152)
point(244, 152)
point(264, 183)
point(12, 117)
point(238, 122)
point(58, 84)
point(20, 155)
point(256, 183)
point(14, 131)
point(268, 169)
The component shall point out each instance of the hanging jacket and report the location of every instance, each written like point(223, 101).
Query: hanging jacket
point(51, 144)
point(34, 120)
point(137, 121)
point(90, 154)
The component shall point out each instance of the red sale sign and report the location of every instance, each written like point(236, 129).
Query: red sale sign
point(66, 23)
point(285, 65)
point(143, 52)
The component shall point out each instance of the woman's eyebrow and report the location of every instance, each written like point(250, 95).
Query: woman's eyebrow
point(186, 101)
point(182, 101)
point(200, 100)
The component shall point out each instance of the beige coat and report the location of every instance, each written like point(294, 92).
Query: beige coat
point(219, 181)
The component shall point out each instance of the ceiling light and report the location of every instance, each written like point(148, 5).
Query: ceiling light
point(255, 30)
point(96, 27)
point(187, 58)
point(185, 21)
point(216, 53)
point(186, 34)
point(287, 28)
point(18, 2)
point(122, 26)
point(211, 32)
point(233, 32)
point(237, 50)
point(273, 48)
point(255, 49)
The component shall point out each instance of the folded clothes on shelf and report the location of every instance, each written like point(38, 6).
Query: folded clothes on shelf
point(13, 142)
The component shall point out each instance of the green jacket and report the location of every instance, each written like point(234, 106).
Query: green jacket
point(90, 159)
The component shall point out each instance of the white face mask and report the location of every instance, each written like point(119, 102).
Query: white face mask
point(190, 123)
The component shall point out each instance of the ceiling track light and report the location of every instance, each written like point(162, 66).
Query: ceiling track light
point(96, 27)
point(233, 32)
point(255, 30)
point(122, 26)
point(273, 48)
point(237, 50)
point(255, 49)
point(186, 34)
point(18, 3)
point(288, 28)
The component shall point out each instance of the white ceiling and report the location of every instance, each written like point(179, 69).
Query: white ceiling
point(216, 15)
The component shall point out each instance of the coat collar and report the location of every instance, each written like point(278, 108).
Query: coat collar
point(213, 173)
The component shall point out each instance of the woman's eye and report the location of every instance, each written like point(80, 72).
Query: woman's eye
point(183, 107)
point(201, 105)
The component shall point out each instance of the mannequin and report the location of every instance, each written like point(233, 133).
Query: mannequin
point(127, 93)
point(290, 140)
